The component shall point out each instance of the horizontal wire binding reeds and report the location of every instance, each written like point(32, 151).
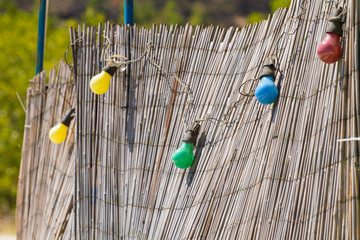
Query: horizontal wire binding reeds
point(46, 180)
point(270, 172)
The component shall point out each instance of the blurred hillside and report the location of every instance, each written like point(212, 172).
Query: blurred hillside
point(18, 26)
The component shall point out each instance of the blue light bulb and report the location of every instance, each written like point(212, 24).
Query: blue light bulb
point(266, 92)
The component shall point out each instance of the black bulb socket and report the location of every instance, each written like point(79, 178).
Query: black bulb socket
point(110, 69)
point(192, 133)
point(268, 68)
point(335, 22)
point(69, 115)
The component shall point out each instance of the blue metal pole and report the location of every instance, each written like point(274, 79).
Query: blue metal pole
point(129, 12)
point(41, 36)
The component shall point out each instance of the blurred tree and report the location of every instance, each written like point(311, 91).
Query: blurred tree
point(217, 12)
point(99, 5)
point(114, 7)
point(170, 14)
point(276, 4)
point(109, 9)
point(92, 17)
point(256, 17)
point(198, 14)
point(18, 53)
point(144, 13)
point(17, 66)
point(65, 8)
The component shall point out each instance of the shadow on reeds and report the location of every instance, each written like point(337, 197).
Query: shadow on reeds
point(192, 170)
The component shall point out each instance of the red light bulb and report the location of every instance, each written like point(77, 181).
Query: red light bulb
point(329, 50)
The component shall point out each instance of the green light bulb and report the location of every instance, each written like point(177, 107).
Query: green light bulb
point(183, 156)
point(57, 134)
point(100, 83)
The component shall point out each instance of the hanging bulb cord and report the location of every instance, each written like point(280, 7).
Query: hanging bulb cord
point(224, 120)
point(123, 62)
point(251, 92)
point(338, 4)
point(146, 54)
point(274, 57)
point(303, 7)
point(66, 53)
point(253, 81)
point(149, 47)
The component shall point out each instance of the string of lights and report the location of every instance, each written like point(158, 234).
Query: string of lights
point(266, 91)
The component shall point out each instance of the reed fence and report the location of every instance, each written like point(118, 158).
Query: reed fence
point(260, 172)
point(46, 179)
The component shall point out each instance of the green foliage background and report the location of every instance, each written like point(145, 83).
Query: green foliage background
point(17, 66)
point(274, 5)
point(17, 63)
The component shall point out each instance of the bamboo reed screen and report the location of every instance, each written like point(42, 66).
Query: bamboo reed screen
point(46, 179)
point(260, 172)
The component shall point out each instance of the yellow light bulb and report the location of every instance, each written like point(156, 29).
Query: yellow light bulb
point(100, 83)
point(57, 134)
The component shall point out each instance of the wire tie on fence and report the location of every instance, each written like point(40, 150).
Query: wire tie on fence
point(251, 92)
point(67, 51)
